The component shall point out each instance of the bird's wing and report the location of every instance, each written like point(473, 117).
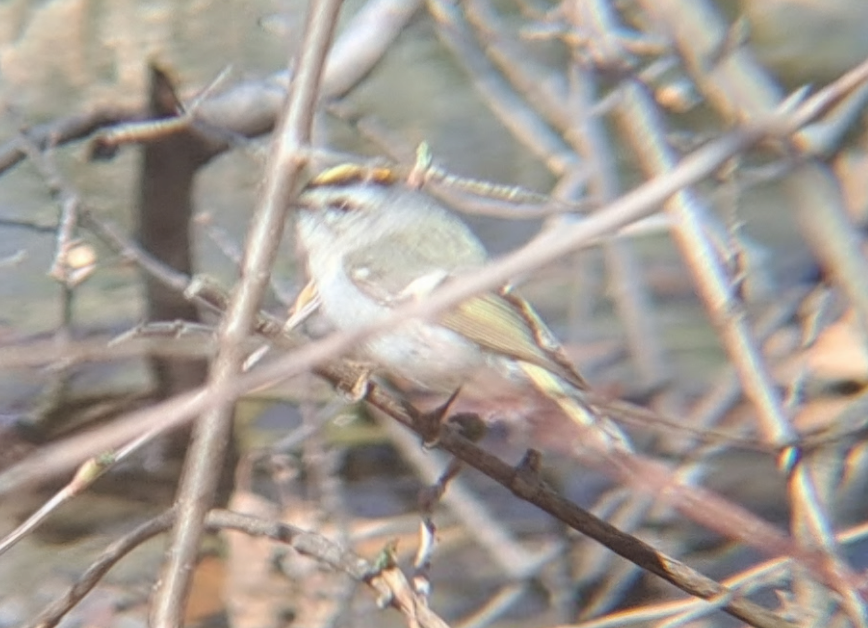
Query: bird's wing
point(400, 268)
point(500, 322)
point(505, 323)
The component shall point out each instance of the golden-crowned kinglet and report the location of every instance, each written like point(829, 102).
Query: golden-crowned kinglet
point(372, 243)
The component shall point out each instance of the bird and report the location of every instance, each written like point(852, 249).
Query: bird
point(371, 243)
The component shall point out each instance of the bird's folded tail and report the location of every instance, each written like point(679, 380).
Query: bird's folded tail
point(585, 416)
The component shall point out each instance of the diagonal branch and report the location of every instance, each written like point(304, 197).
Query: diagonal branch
point(212, 431)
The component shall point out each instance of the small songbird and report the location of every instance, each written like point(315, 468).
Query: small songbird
point(372, 243)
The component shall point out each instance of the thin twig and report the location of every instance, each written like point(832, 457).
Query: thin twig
point(304, 542)
point(249, 108)
point(767, 574)
point(740, 87)
point(504, 102)
point(632, 300)
point(512, 558)
point(644, 127)
point(212, 431)
point(84, 478)
point(525, 482)
point(55, 612)
point(61, 131)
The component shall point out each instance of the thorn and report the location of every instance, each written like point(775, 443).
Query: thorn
point(360, 386)
point(431, 422)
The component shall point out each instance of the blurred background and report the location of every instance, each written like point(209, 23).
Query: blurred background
point(629, 311)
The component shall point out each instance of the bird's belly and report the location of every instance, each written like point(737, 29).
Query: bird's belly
point(429, 356)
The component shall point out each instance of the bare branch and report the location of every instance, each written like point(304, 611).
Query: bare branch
point(212, 431)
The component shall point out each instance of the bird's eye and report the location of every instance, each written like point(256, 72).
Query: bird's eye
point(337, 207)
point(341, 204)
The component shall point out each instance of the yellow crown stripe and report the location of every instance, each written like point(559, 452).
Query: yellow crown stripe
point(348, 174)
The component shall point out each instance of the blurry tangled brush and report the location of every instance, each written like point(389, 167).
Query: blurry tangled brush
point(700, 245)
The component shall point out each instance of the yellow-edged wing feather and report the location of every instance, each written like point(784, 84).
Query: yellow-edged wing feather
point(588, 417)
point(504, 323)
